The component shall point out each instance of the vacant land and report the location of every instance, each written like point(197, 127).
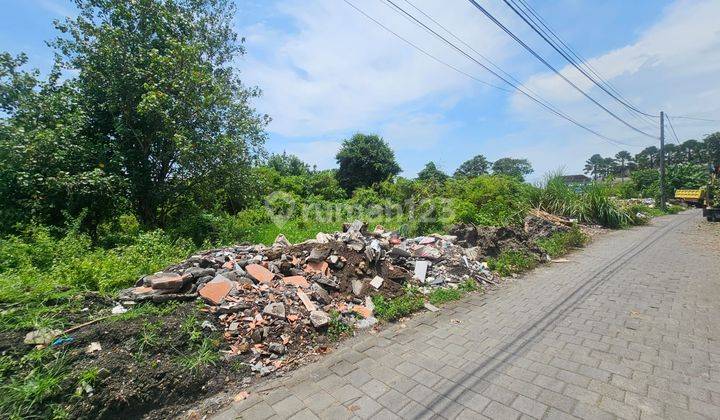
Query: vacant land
point(627, 327)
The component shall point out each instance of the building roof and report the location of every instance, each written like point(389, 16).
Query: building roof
point(575, 178)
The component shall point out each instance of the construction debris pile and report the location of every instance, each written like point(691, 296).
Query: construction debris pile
point(270, 300)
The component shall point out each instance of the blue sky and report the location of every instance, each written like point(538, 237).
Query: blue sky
point(327, 72)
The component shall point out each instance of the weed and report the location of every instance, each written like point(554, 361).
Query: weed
point(444, 294)
point(509, 262)
point(203, 354)
point(7, 365)
point(24, 396)
point(146, 310)
point(447, 294)
point(391, 309)
point(560, 243)
point(468, 285)
point(149, 338)
point(190, 328)
point(337, 328)
point(85, 381)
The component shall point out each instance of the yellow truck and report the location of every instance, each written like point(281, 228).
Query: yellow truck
point(691, 197)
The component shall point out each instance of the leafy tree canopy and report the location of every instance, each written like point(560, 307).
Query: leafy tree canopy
point(288, 164)
point(161, 99)
point(476, 166)
point(365, 159)
point(516, 168)
point(431, 173)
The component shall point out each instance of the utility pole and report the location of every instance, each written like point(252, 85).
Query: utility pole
point(662, 161)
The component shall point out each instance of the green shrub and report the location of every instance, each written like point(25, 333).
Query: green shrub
point(599, 207)
point(561, 242)
point(391, 309)
point(447, 294)
point(337, 328)
point(48, 269)
point(509, 262)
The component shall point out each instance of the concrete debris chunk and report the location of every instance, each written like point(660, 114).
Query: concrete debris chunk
point(430, 307)
point(306, 301)
point(421, 268)
point(42, 337)
point(376, 282)
point(331, 282)
point(318, 254)
point(366, 323)
point(319, 319)
point(323, 238)
point(276, 348)
point(275, 309)
point(281, 242)
point(357, 287)
point(320, 294)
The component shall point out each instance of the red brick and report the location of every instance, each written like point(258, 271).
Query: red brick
point(259, 273)
point(165, 281)
point(215, 291)
point(320, 267)
point(364, 311)
point(297, 281)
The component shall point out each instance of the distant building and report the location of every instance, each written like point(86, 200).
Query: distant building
point(576, 179)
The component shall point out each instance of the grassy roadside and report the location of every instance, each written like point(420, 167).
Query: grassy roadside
point(58, 284)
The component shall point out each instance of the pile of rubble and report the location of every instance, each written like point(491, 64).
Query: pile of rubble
point(272, 300)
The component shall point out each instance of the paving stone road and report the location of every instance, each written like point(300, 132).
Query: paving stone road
point(628, 328)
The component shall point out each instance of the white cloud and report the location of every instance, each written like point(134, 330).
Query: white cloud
point(339, 72)
point(57, 7)
point(319, 152)
point(672, 66)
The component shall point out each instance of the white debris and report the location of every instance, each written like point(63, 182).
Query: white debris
point(118, 309)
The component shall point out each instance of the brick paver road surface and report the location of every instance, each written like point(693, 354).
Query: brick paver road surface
point(628, 328)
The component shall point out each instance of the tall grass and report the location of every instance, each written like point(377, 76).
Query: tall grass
point(592, 203)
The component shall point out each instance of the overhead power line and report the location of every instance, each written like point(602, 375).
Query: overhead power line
point(672, 129)
point(565, 51)
point(695, 118)
point(424, 52)
point(554, 70)
point(539, 101)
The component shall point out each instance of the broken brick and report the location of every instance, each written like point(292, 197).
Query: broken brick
point(165, 281)
point(363, 311)
point(319, 267)
point(297, 281)
point(216, 290)
point(259, 273)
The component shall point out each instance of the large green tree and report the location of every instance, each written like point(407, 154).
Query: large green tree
point(593, 166)
point(431, 173)
point(476, 166)
point(712, 147)
point(647, 158)
point(288, 165)
point(50, 171)
point(365, 159)
point(516, 168)
point(623, 157)
point(161, 96)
